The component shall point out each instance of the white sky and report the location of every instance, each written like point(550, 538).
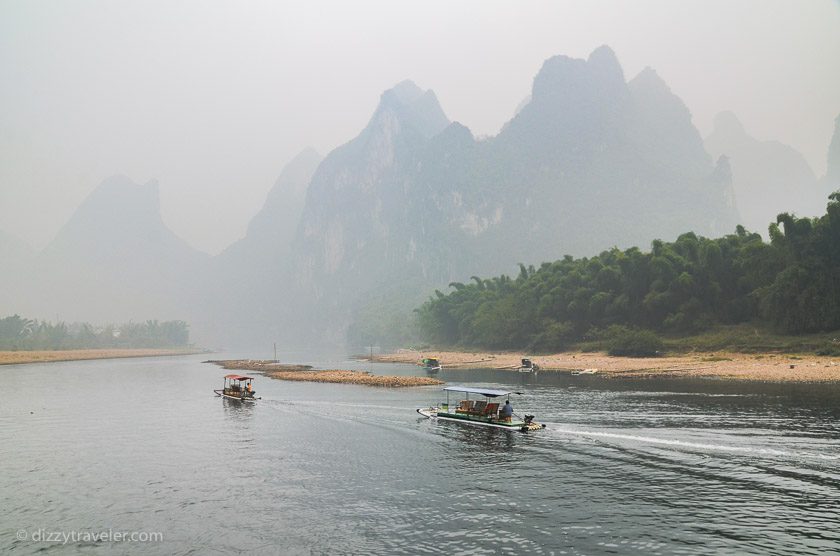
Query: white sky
point(213, 98)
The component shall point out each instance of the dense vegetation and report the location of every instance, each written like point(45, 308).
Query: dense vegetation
point(791, 284)
point(18, 333)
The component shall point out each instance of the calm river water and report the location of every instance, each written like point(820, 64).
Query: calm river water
point(624, 467)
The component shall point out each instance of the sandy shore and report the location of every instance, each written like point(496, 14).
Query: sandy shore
point(21, 357)
point(305, 373)
point(740, 366)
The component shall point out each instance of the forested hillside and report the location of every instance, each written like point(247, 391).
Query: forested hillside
point(791, 283)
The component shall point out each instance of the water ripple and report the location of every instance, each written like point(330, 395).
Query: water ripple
point(623, 468)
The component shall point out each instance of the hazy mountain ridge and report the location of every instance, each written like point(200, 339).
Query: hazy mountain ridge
point(831, 181)
point(272, 231)
point(279, 217)
point(588, 142)
point(771, 171)
point(119, 220)
point(358, 197)
point(590, 161)
point(412, 203)
point(115, 258)
point(247, 284)
point(358, 203)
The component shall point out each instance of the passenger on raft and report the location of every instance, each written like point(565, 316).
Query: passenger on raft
point(507, 412)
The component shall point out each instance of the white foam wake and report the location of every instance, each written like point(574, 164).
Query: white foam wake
point(752, 450)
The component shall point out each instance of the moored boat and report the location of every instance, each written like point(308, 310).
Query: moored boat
point(238, 387)
point(430, 364)
point(480, 412)
point(528, 366)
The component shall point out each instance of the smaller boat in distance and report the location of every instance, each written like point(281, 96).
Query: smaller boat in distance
point(430, 364)
point(528, 366)
point(238, 387)
point(480, 412)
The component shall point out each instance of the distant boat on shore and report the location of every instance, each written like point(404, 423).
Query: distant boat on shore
point(528, 366)
point(430, 364)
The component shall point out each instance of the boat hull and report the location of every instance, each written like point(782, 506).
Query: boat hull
point(238, 398)
point(522, 426)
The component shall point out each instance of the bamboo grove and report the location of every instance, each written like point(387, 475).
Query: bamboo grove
point(791, 283)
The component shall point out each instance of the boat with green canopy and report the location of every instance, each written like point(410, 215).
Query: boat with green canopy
point(430, 364)
point(477, 411)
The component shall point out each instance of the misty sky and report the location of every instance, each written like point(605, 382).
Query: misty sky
point(213, 98)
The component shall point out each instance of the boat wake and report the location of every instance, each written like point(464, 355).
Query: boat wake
point(689, 445)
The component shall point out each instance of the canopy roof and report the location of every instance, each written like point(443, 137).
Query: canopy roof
point(483, 391)
point(239, 377)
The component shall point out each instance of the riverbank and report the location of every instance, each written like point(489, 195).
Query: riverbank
point(305, 373)
point(721, 365)
point(25, 357)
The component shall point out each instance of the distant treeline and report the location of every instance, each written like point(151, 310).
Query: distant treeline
point(791, 283)
point(18, 333)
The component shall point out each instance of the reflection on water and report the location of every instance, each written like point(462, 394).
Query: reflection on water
point(238, 410)
point(625, 466)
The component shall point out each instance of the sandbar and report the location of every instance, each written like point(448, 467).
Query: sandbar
point(305, 373)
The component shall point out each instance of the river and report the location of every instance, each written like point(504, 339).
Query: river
point(143, 447)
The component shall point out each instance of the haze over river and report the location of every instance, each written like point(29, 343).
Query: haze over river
point(629, 467)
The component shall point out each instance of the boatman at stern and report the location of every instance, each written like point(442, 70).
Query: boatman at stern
point(507, 411)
